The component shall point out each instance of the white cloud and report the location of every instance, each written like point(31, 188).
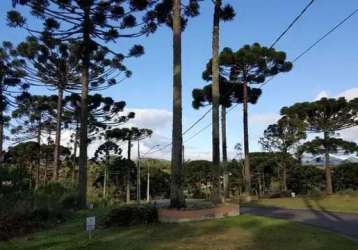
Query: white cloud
point(349, 94)
point(159, 121)
point(264, 119)
point(321, 94)
point(155, 119)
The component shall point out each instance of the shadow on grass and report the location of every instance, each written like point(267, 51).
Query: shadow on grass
point(242, 232)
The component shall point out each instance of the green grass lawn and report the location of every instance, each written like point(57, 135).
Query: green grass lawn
point(242, 232)
point(338, 203)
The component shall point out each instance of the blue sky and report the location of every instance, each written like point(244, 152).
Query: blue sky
point(329, 69)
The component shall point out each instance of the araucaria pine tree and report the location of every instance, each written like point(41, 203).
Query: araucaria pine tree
point(92, 23)
point(177, 17)
point(226, 13)
point(54, 67)
point(326, 116)
point(281, 138)
point(11, 83)
point(129, 135)
point(230, 93)
point(34, 117)
point(251, 65)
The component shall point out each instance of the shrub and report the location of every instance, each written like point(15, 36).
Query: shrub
point(132, 215)
point(305, 179)
point(345, 176)
point(18, 224)
point(69, 201)
point(15, 225)
point(49, 196)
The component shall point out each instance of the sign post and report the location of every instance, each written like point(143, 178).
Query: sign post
point(90, 225)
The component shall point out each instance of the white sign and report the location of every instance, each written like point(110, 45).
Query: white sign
point(90, 223)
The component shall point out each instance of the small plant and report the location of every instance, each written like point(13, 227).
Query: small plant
point(130, 215)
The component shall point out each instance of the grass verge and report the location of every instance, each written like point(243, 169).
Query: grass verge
point(347, 203)
point(242, 232)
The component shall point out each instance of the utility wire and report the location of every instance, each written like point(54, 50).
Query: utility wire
point(297, 57)
point(197, 121)
point(273, 44)
point(326, 34)
point(292, 23)
point(335, 27)
point(270, 79)
point(207, 126)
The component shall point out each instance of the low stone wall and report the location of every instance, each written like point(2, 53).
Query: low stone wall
point(177, 216)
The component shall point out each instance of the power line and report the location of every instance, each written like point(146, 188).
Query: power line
point(335, 27)
point(273, 44)
point(197, 121)
point(292, 23)
point(302, 53)
point(325, 35)
point(208, 125)
point(270, 79)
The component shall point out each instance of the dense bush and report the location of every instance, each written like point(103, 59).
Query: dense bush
point(198, 178)
point(16, 224)
point(27, 211)
point(49, 196)
point(305, 179)
point(345, 177)
point(132, 215)
point(13, 180)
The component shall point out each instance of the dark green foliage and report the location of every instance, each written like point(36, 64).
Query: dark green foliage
point(229, 93)
point(35, 115)
point(13, 180)
point(49, 196)
point(130, 215)
point(198, 178)
point(332, 145)
point(125, 134)
point(11, 85)
point(283, 135)
point(69, 201)
point(305, 179)
point(265, 168)
point(345, 177)
point(159, 183)
point(17, 225)
point(325, 115)
point(253, 63)
point(104, 112)
point(26, 212)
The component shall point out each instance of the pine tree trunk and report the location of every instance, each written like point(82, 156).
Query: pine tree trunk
point(56, 162)
point(2, 123)
point(247, 175)
point(82, 176)
point(39, 160)
point(329, 187)
point(177, 199)
point(138, 176)
point(216, 196)
point(284, 172)
point(105, 175)
point(75, 146)
point(284, 178)
point(148, 183)
point(1, 138)
point(128, 179)
point(224, 153)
